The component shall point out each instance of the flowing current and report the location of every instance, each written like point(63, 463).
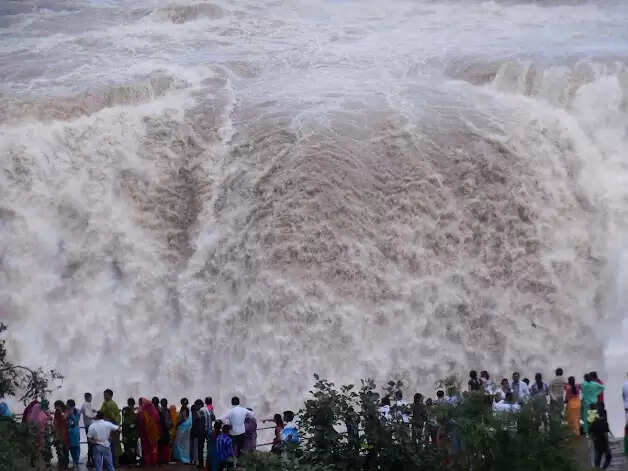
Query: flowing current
point(224, 198)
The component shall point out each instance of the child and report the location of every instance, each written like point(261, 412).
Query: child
point(224, 448)
point(212, 457)
point(599, 434)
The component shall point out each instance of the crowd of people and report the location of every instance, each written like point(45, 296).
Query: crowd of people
point(580, 404)
point(151, 433)
point(154, 432)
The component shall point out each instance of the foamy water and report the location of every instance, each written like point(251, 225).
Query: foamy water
point(219, 198)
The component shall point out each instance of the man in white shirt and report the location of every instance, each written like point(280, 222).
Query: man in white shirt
point(235, 417)
point(98, 435)
point(89, 414)
point(506, 405)
point(519, 389)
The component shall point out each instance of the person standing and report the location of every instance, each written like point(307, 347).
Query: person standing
point(181, 448)
point(149, 431)
point(590, 392)
point(165, 443)
point(504, 389)
point(520, 390)
point(250, 434)
point(572, 398)
point(235, 418)
point(130, 433)
point(99, 435)
point(89, 414)
point(557, 394)
point(488, 383)
point(174, 418)
point(278, 421)
point(539, 388)
point(111, 412)
point(62, 442)
point(475, 384)
point(74, 432)
point(599, 435)
point(212, 460)
point(210, 415)
point(600, 398)
point(419, 417)
point(197, 433)
point(225, 451)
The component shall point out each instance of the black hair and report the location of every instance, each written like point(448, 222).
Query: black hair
point(559, 371)
point(208, 400)
point(593, 375)
point(100, 415)
point(278, 419)
point(440, 393)
point(86, 395)
point(226, 428)
point(504, 380)
point(526, 380)
point(198, 403)
point(235, 401)
point(572, 383)
point(484, 374)
point(108, 391)
point(218, 426)
point(164, 402)
point(288, 415)
point(539, 379)
point(587, 377)
point(71, 403)
point(473, 374)
point(398, 395)
point(130, 401)
point(184, 401)
point(418, 397)
point(59, 403)
point(155, 401)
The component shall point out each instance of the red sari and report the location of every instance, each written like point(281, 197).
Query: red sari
point(150, 431)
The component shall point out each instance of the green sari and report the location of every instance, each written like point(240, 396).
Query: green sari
point(590, 391)
point(112, 414)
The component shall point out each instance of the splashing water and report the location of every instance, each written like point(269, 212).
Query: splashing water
point(218, 198)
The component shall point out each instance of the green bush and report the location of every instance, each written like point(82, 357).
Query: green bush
point(16, 446)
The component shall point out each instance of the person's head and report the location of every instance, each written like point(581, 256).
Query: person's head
point(184, 402)
point(509, 397)
point(440, 394)
point(130, 402)
point(484, 375)
point(235, 401)
point(288, 416)
point(386, 401)
point(155, 401)
point(88, 397)
point(505, 384)
point(100, 415)
point(59, 405)
point(526, 380)
point(538, 378)
point(208, 401)
point(473, 374)
point(418, 398)
point(199, 404)
point(571, 381)
point(593, 376)
point(226, 428)
point(278, 419)
point(559, 371)
point(164, 402)
point(108, 394)
point(398, 395)
point(71, 404)
point(194, 407)
point(218, 426)
point(429, 402)
point(587, 377)
point(515, 377)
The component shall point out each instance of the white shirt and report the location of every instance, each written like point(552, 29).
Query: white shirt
point(235, 417)
point(503, 406)
point(626, 395)
point(88, 413)
point(385, 412)
point(99, 432)
point(524, 391)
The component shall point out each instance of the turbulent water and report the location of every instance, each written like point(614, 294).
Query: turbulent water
point(227, 197)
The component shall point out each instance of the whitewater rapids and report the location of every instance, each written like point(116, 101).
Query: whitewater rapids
point(224, 198)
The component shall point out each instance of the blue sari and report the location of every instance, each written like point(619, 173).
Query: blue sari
point(181, 447)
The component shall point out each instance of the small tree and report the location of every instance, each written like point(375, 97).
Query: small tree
point(21, 381)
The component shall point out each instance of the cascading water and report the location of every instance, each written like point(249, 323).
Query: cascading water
point(227, 197)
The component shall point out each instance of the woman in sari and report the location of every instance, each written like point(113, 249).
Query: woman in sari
point(129, 434)
point(572, 398)
point(174, 417)
point(149, 428)
point(590, 392)
point(39, 420)
point(181, 448)
point(62, 440)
